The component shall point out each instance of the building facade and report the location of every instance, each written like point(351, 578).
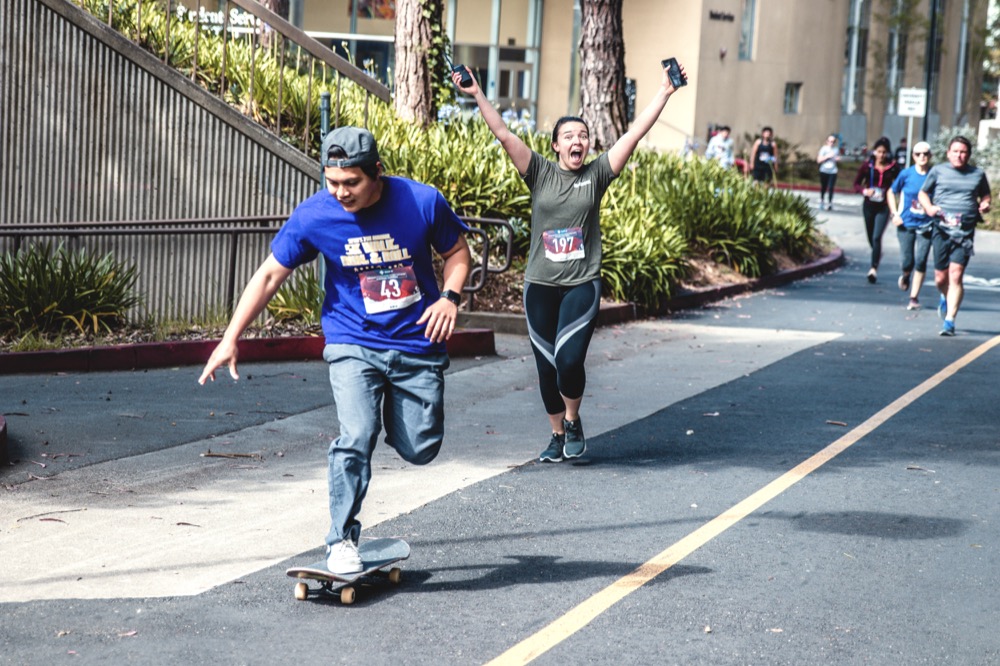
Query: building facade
point(807, 68)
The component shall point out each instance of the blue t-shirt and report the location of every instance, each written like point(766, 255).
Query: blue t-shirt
point(909, 181)
point(379, 266)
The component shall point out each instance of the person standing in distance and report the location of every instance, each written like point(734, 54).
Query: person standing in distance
point(720, 148)
point(900, 154)
point(957, 195)
point(913, 226)
point(764, 157)
point(384, 318)
point(829, 155)
point(562, 280)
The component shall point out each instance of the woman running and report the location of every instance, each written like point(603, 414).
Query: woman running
point(562, 281)
point(875, 177)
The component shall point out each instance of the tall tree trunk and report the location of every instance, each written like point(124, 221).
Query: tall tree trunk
point(279, 7)
point(602, 71)
point(418, 50)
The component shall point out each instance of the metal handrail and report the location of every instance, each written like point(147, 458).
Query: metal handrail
point(314, 48)
point(264, 224)
point(267, 26)
point(478, 275)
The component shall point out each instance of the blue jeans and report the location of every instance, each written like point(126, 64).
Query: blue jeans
point(371, 386)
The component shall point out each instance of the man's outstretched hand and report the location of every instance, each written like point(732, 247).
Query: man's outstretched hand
point(225, 354)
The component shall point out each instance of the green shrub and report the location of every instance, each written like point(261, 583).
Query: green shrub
point(44, 292)
point(643, 254)
point(251, 74)
point(300, 298)
point(660, 211)
point(987, 158)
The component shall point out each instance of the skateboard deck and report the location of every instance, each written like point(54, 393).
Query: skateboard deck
point(376, 555)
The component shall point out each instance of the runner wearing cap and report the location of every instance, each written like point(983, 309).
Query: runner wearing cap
point(957, 195)
point(384, 318)
point(913, 226)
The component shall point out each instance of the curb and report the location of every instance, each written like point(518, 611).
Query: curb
point(516, 324)
point(698, 297)
point(467, 342)
point(475, 337)
point(618, 313)
point(809, 187)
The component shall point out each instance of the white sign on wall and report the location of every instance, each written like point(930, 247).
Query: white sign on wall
point(912, 102)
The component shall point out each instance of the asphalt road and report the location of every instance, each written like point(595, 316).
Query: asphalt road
point(801, 475)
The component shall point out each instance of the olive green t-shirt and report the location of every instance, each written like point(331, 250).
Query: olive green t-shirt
point(565, 221)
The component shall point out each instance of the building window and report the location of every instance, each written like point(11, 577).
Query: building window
point(747, 27)
point(855, 57)
point(896, 56)
point(500, 41)
point(792, 93)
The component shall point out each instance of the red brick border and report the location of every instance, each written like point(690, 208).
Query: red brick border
point(467, 342)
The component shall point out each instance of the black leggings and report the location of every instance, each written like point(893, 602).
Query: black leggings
point(561, 322)
point(876, 217)
point(827, 181)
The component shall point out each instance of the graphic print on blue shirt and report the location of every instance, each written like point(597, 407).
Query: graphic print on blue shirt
point(379, 262)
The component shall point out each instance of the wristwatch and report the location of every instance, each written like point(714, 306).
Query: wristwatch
point(452, 296)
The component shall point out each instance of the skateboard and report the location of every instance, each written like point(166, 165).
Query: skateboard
point(376, 555)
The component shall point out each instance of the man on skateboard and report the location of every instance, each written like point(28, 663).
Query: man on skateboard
point(384, 318)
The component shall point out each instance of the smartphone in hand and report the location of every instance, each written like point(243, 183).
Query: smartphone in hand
point(466, 78)
point(676, 79)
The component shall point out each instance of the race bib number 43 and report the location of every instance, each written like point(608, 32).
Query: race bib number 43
point(563, 244)
point(388, 289)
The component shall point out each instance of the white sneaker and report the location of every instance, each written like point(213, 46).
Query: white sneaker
point(343, 558)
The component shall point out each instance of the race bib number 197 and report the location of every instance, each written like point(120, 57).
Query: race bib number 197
point(388, 289)
point(951, 219)
point(563, 244)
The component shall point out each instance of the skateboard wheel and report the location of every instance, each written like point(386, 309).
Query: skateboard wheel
point(347, 595)
point(395, 575)
point(301, 591)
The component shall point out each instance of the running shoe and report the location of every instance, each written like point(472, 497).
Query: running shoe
point(872, 275)
point(942, 306)
point(554, 453)
point(903, 282)
point(576, 444)
point(948, 328)
point(913, 304)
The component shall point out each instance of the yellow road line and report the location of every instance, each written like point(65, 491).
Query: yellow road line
point(580, 616)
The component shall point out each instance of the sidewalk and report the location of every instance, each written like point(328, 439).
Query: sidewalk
point(175, 488)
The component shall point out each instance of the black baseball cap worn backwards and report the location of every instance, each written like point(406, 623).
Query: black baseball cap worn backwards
point(357, 143)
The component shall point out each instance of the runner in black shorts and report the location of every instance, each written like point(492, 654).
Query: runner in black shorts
point(957, 195)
